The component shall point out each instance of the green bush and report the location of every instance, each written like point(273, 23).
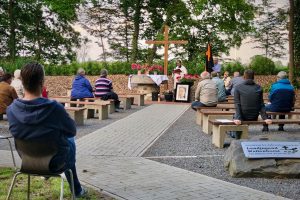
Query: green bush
point(262, 65)
point(232, 67)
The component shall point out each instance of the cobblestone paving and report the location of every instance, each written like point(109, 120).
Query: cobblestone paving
point(109, 159)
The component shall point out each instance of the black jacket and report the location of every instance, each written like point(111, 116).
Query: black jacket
point(248, 100)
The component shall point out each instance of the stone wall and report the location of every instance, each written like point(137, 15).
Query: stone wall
point(58, 85)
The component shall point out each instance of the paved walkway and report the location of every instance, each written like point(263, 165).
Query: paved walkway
point(109, 159)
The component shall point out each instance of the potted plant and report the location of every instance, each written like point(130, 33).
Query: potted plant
point(168, 95)
point(155, 69)
point(189, 79)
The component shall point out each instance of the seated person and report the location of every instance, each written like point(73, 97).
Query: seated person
point(206, 92)
point(227, 79)
point(7, 93)
point(236, 80)
point(1, 73)
point(104, 88)
point(81, 87)
point(248, 101)
point(35, 117)
point(17, 84)
point(281, 97)
point(220, 86)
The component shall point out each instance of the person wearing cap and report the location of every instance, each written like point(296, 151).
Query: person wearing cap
point(17, 84)
point(104, 88)
point(281, 97)
point(206, 92)
point(81, 87)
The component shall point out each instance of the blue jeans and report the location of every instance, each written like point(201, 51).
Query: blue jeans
point(71, 165)
point(197, 104)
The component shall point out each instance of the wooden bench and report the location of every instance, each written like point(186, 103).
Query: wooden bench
point(111, 106)
point(220, 128)
point(217, 114)
point(127, 102)
point(77, 114)
point(139, 99)
point(220, 107)
point(101, 107)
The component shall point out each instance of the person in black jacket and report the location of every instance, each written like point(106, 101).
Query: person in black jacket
point(34, 117)
point(248, 101)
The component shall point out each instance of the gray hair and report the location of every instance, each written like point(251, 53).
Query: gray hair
point(205, 75)
point(81, 71)
point(103, 72)
point(282, 75)
point(17, 74)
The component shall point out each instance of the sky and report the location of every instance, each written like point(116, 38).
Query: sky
point(243, 53)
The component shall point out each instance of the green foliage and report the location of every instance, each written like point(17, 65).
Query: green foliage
point(39, 188)
point(297, 38)
point(39, 29)
point(262, 65)
point(270, 34)
point(232, 67)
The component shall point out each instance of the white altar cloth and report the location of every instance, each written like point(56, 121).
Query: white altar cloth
point(158, 79)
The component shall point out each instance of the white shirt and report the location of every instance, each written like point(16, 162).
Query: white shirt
point(182, 73)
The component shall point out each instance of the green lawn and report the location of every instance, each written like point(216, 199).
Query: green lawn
point(40, 189)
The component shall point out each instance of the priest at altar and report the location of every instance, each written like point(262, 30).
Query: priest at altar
point(178, 72)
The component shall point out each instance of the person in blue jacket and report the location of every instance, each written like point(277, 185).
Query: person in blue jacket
point(281, 97)
point(35, 117)
point(81, 87)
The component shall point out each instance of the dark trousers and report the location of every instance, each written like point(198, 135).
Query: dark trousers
point(71, 165)
point(111, 95)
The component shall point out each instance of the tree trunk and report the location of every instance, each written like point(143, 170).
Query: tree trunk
point(127, 36)
point(12, 30)
point(38, 15)
point(291, 40)
point(135, 38)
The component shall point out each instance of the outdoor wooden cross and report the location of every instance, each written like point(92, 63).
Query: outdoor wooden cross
point(166, 42)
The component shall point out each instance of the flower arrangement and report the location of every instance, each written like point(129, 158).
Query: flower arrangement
point(189, 78)
point(146, 67)
point(156, 68)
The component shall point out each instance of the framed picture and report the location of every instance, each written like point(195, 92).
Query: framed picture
point(182, 92)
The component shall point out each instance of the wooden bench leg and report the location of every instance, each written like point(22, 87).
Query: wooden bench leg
point(78, 116)
point(127, 103)
point(103, 112)
point(219, 131)
point(140, 100)
point(89, 113)
point(199, 117)
point(112, 108)
point(206, 126)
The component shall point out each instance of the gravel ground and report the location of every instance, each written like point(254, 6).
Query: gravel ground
point(90, 126)
point(185, 146)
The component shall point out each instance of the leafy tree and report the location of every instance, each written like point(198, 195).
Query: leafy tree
point(270, 34)
point(42, 29)
point(262, 65)
point(297, 36)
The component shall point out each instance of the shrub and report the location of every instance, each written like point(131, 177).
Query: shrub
point(232, 67)
point(262, 65)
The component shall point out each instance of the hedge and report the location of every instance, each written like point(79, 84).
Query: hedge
point(118, 67)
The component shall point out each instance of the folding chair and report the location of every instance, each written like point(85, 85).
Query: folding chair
point(36, 156)
point(6, 137)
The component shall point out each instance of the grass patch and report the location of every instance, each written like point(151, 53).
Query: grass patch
point(40, 189)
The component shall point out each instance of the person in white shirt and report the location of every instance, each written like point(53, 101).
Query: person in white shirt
point(182, 73)
point(17, 84)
